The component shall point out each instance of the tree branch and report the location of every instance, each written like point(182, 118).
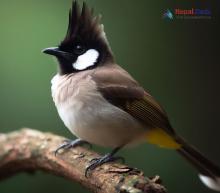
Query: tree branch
point(30, 150)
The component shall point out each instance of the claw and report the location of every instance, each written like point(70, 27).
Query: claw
point(100, 161)
point(62, 146)
point(67, 144)
point(93, 160)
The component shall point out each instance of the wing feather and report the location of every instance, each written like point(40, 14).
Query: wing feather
point(125, 93)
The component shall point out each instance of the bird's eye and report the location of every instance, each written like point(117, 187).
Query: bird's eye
point(79, 49)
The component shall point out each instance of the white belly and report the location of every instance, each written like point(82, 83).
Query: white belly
point(90, 117)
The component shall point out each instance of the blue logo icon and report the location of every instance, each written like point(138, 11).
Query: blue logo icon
point(168, 14)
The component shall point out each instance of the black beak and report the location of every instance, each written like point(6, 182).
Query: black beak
point(52, 51)
point(55, 51)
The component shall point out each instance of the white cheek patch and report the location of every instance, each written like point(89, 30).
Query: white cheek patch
point(89, 58)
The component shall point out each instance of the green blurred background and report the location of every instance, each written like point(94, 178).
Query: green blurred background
point(177, 61)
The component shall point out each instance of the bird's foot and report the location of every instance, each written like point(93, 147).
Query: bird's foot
point(67, 144)
point(102, 160)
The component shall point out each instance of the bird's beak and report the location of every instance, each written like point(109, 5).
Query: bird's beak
point(55, 51)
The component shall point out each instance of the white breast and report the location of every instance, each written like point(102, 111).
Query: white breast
point(89, 116)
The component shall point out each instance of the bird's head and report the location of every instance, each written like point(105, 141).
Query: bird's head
point(85, 45)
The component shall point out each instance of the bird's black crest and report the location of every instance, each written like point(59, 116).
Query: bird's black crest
point(82, 24)
point(85, 29)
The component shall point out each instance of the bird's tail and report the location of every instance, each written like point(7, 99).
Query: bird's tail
point(209, 173)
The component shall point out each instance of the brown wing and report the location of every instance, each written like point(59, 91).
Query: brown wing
point(148, 111)
point(121, 90)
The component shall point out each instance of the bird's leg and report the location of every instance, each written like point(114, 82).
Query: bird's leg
point(106, 158)
point(71, 143)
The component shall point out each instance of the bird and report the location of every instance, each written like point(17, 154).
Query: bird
point(102, 104)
